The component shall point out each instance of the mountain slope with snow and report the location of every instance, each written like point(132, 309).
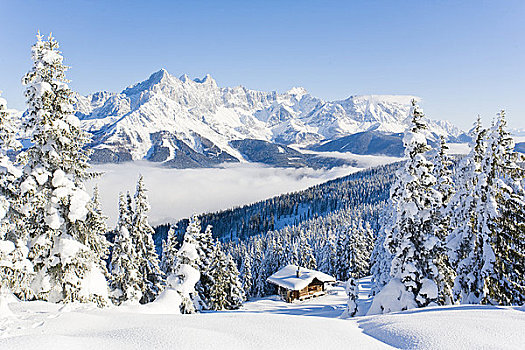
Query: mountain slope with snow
point(191, 123)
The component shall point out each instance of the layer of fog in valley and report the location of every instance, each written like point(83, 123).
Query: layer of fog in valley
point(178, 193)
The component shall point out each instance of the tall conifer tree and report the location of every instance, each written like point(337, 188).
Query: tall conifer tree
point(142, 236)
point(413, 241)
point(205, 248)
point(504, 267)
point(55, 166)
point(169, 252)
point(127, 283)
point(462, 212)
point(186, 273)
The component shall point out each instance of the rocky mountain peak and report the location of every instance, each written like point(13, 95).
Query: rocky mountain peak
point(168, 115)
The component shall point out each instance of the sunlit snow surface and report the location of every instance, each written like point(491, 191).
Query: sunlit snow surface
point(265, 323)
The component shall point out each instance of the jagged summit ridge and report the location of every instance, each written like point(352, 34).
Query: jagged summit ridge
point(162, 115)
point(154, 79)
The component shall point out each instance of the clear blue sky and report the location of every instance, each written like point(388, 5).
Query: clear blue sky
point(461, 57)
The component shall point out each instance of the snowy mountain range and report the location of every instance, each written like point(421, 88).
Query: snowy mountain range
point(195, 123)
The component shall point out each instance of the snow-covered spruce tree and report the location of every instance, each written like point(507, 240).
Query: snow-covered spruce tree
point(8, 132)
point(327, 261)
point(235, 293)
point(258, 273)
point(169, 252)
point(9, 177)
point(126, 282)
point(142, 236)
point(16, 271)
point(130, 210)
point(217, 299)
point(306, 254)
point(462, 212)
point(443, 172)
point(11, 223)
point(360, 251)
point(352, 290)
point(353, 252)
point(368, 238)
point(246, 274)
point(205, 248)
point(381, 257)
point(226, 292)
point(480, 261)
point(412, 241)
point(93, 230)
point(55, 166)
point(186, 273)
point(441, 220)
point(502, 220)
point(288, 250)
point(343, 256)
point(270, 264)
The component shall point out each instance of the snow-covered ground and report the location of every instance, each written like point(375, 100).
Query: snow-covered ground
point(265, 323)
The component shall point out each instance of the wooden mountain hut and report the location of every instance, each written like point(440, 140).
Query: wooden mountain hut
point(299, 283)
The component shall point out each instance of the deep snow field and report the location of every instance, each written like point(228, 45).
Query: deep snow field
point(265, 323)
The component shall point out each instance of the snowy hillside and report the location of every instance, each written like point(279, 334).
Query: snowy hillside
point(191, 123)
point(265, 323)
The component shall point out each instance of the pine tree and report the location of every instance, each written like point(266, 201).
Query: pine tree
point(306, 254)
point(359, 247)
point(482, 257)
point(235, 293)
point(10, 211)
point(186, 273)
point(55, 166)
point(381, 258)
point(259, 275)
point(169, 252)
point(246, 274)
point(441, 221)
point(352, 290)
point(504, 266)
point(16, 271)
point(142, 236)
point(368, 238)
point(270, 264)
point(130, 210)
point(443, 171)
point(413, 241)
point(218, 297)
point(226, 291)
point(328, 256)
point(8, 140)
point(55, 131)
point(205, 248)
point(126, 282)
point(93, 231)
point(462, 212)
point(343, 256)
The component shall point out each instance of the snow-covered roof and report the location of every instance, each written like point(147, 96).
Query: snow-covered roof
point(287, 277)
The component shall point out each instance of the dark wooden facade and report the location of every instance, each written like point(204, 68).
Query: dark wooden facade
point(314, 289)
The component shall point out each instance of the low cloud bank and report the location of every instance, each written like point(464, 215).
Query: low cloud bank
point(177, 193)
